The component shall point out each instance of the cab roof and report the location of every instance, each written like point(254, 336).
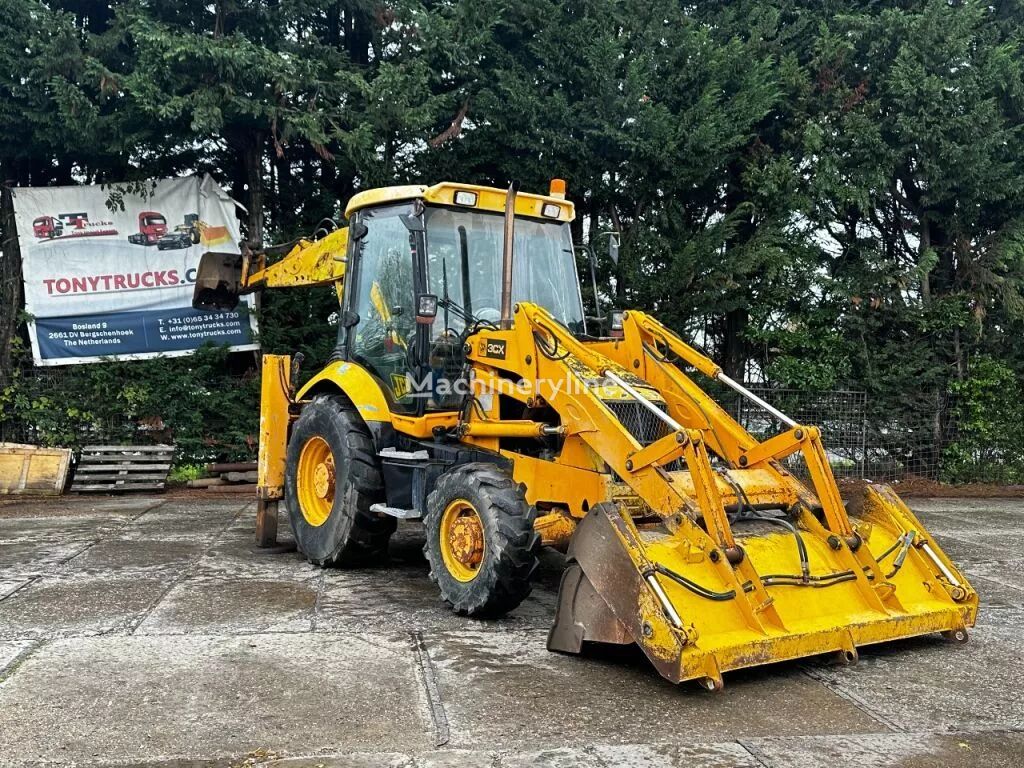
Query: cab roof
point(487, 199)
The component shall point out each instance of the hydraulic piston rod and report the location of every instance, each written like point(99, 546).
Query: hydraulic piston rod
point(735, 385)
point(674, 425)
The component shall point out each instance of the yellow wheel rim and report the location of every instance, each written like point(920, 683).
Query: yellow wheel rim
point(315, 479)
point(462, 540)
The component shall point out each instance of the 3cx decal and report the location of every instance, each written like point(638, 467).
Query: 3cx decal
point(493, 348)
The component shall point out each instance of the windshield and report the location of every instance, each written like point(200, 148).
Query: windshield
point(464, 252)
point(156, 220)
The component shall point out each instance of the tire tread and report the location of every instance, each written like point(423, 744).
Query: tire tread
point(514, 540)
point(368, 537)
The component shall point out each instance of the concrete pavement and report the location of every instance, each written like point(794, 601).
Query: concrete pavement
point(147, 631)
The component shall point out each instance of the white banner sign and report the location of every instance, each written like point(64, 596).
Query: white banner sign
point(118, 284)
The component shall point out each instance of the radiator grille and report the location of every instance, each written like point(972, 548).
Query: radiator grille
point(643, 425)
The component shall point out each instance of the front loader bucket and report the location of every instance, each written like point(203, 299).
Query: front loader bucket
point(696, 615)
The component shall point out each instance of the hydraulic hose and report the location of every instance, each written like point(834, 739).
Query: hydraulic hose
point(804, 579)
point(805, 565)
point(693, 586)
point(908, 539)
point(787, 580)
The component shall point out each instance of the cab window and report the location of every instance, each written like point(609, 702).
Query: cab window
point(383, 338)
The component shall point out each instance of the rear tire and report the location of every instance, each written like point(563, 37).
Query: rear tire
point(481, 544)
point(332, 478)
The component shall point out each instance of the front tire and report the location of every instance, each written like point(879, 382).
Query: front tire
point(332, 478)
point(481, 544)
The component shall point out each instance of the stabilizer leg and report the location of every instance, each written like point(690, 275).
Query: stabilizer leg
point(275, 398)
point(266, 523)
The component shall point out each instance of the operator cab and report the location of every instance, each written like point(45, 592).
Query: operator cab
point(446, 242)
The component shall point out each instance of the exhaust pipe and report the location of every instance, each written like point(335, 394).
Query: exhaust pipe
point(507, 255)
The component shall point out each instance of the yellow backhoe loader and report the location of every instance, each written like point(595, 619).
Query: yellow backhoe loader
point(467, 390)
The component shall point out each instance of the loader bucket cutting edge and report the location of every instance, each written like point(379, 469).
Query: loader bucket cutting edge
point(607, 596)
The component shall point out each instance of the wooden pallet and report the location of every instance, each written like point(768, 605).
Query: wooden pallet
point(118, 468)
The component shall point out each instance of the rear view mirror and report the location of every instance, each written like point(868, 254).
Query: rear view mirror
point(218, 281)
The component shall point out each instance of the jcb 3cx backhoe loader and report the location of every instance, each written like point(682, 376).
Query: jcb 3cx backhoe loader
point(465, 391)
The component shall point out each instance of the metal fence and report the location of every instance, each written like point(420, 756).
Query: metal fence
point(840, 415)
point(860, 441)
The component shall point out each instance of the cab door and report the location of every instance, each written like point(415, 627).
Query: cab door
point(382, 333)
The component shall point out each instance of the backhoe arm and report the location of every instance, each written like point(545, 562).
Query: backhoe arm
point(223, 277)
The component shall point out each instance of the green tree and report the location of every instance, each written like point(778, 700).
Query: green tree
point(822, 194)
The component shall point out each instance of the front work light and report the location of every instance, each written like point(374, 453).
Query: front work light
point(618, 316)
point(551, 210)
point(426, 308)
point(465, 197)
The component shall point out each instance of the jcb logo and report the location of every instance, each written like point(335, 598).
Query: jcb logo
point(399, 385)
point(493, 348)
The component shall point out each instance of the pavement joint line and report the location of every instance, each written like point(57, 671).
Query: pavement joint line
point(97, 540)
point(320, 587)
point(61, 563)
point(837, 688)
point(756, 753)
point(428, 676)
point(32, 580)
point(413, 757)
point(11, 667)
point(999, 555)
point(184, 574)
point(991, 580)
point(353, 632)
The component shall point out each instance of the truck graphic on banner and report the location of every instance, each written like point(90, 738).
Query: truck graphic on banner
point(66, 225)
point(47, 227)
point(152, 226)
point(184, 235)
point(94, 294)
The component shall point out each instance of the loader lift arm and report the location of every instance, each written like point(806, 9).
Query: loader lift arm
point(696, 596)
